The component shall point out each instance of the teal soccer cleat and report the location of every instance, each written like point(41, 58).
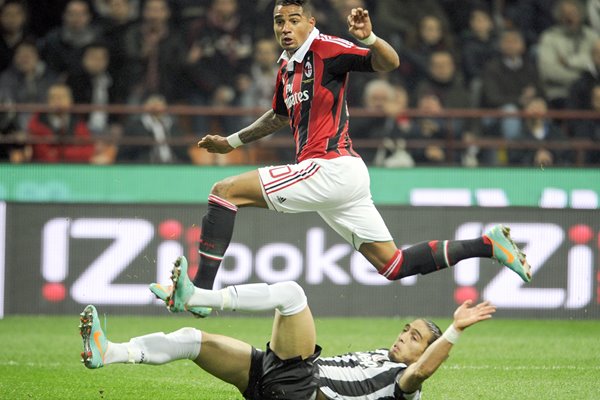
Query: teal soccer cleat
point(507, 252)
point(181, 291)
point(160, 291)
point(94, 339)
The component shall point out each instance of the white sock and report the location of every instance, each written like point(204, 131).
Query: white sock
point(287, 297)
point(156, 348)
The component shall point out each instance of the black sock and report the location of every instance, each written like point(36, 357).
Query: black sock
point(217, 229)
point(449, 252)
point(427, 257)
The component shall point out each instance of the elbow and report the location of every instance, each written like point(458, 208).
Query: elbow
point(388, 66)
point(396, 62)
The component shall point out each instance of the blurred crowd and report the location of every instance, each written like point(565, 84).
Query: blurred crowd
point(521, 55)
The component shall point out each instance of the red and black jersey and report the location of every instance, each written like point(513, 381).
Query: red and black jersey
point(311, 91)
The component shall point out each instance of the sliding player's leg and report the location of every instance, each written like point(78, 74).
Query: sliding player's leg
point(224, 357)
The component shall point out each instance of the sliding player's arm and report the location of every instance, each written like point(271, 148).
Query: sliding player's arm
point(464, 316)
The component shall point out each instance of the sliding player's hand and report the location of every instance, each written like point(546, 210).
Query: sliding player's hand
point(215, 144)
point(467, 314)
point(359, 23)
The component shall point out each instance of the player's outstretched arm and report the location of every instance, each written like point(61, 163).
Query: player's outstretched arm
point(384, 57)
point(465, 316)
point(265, 125)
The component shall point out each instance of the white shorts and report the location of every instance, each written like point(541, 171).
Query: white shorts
point(337, 189)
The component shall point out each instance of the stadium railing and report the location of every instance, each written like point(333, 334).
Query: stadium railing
point(579, 146)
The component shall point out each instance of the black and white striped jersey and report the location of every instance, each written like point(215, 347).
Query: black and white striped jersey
point(362, 376)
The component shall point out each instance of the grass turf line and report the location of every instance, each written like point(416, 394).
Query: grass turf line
point(499, 359)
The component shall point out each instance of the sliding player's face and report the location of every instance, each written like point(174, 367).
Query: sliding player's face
point(291, 27)
point(411, 343)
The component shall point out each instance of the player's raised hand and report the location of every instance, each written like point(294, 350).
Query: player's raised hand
point(215, 144)
point(467, 314)
point(359, 23)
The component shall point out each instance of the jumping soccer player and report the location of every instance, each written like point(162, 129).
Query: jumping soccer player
point(290, 368)
point(329, 176)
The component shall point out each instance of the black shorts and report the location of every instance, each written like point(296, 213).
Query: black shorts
point(272, 378)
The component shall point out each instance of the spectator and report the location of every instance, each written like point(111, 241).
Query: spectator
point(509, 81)
point(564, 51)
point(431, 36)
point(539, 131)
point(220, 50)
point(460, 12)
point(579, 94)
point(258, 86)
point(256, 90)
point(430, 128)
point(394, 132)
point(444, 81)
point(92, 84)
point(478, 45)
point(26, 81)
point(63, 46)
point(155, 54)
point(62, 128)
point(395, 22)
point(532, 17)
point(590, 129)
point(334, 20)
point(13, 28)
point(106, 8)
point(114, 26)
point(13, 151)
point(377, 96)
point(154, 125)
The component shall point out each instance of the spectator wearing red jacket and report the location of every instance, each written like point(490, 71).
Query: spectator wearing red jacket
point(62, 127)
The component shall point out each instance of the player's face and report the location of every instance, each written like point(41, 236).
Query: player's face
point(291, 26)
point(411, 343)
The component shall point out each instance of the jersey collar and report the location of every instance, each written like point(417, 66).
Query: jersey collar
point(301, 52)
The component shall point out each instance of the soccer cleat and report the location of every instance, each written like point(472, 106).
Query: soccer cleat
point(160, 291)
point(163, 294)
point(506, 251)
point(182, 289)
point(94, 339)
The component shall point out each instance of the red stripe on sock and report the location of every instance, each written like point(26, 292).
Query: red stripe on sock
point(391, 270)
point(433, 245)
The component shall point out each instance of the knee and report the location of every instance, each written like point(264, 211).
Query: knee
point(293, 298)
point(293, 288)
point(222, 189)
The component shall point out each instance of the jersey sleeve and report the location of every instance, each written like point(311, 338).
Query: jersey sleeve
point(278, 102)
point(350, 62)
point(400, 395)
point(343, 56)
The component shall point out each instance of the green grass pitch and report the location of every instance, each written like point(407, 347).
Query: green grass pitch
point(498, 359)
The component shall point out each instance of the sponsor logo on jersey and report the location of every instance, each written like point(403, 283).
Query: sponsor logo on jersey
point(281, 199)
point(370, 360)
point(295, 98)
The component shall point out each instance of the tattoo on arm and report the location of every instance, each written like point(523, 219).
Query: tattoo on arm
point(265, 125)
